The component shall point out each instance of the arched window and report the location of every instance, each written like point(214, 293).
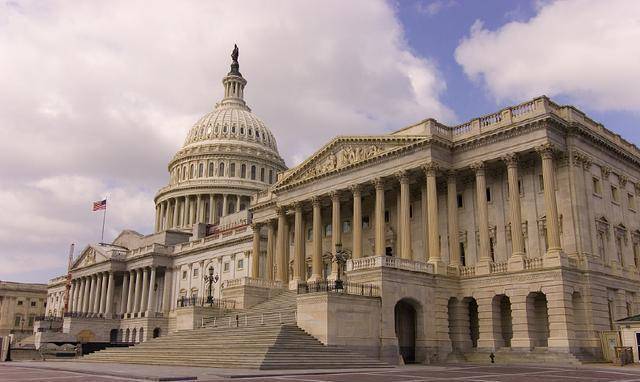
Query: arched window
point(221, 169)
point(232, 169)
point(178, 173)
point(211, 169)
point(251, 132)
point(257, 134)
point(242, 130)
point(253, 172)
point(233, 129)
point(200, 170)
point(243, 171)
point(262, 174)
point(184, 172)
point(270, 176)
point(192, 172)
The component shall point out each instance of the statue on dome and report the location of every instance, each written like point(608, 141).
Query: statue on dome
point(235, 53)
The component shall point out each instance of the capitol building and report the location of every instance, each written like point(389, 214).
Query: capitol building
point(515, 234)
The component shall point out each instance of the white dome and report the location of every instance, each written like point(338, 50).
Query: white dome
point(232, 122)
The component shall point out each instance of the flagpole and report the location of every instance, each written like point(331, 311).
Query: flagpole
point(104, 214)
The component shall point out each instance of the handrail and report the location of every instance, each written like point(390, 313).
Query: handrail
point(339, 286)
point(248, 320)
point(205, 302)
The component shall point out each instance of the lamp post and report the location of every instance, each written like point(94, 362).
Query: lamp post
point(340, 257)
point(211, 279)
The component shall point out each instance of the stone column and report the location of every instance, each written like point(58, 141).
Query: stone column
point(166, 291)
point(83, 294)
point(138, 282)
point(316, 261)
point(270, 245)
point(97, 294)
point(131, 295)
point(192, 211)
point(255, 255)
point(199, 209)
point(225, 207)
point(551, 208)
point(336, 232)
point(516, 260)
point(432, 215)
point(356, 251)
point(452, 217)
point(124, 301)
point(176, 212)
point(281, 263)
point(144, 298)
point(488, 319)
point(93, 290)
point(424, 204)
point(212, 209)
point(103, 293)
point(87, 294)
point(151, 305)
point(380, 242)
point(162, 220)
point(484, 258)
point(405, 216)
point(72, 292)
point(157, 227)
point(185, 212)
point(519, 318)
point(110, 291)
point(298, 245)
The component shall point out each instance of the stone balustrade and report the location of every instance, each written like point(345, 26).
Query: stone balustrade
point(389, 262)
point(533, 263)
point(253, 282)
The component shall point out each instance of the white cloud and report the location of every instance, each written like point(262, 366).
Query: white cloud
point(97, 96)
point(432, 8)
point(586, 50)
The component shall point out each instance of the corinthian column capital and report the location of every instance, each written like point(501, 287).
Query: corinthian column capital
point(479, 167)
point(511, 159)
point(431, 168)
point(546, 150)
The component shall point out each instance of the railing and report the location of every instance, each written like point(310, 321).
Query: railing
point(388, 262)
point(498, 267)
point(248, 281)
point(246, 320)
point(340, 286)
point(468, 270)
point(490, 119)
point(48, 318)
point(533, 263)
point(220, 303)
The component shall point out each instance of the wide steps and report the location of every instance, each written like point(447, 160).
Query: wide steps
point(275, 343)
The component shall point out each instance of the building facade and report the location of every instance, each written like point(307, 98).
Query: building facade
point(20, 305)
point(514, 232)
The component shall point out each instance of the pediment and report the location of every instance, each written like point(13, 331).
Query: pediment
point(346, 152)
point(90, 255)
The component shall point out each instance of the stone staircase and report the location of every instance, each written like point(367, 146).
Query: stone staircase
point(538, 355)
point(264, 336)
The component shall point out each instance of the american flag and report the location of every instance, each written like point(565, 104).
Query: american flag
point(100, 205)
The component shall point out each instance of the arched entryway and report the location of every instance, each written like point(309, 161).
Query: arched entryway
point(113, 336)
point(538, 318)
point(502, 320)
point(156, 332)
point(405, 324)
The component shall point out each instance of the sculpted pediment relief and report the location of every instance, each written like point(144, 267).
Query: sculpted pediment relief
point(88, 257)
point(345, 152)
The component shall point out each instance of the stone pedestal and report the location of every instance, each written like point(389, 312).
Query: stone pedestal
point(483, 267)
point(555, 259)
point(516, 262)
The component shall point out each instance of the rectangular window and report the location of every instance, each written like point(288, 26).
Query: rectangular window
point(636, 254)
point(460, 201)
point(540, 182)
point(309, 234)
point(488, 194)
point(631, 201)
point(410, 211)
point(492, 249)
point(365, 222)
point(520, 188)
point(597, 189)
point(346, 226)
point(232, 170)
point(386, 216)
point(20, 302)
point(17, 321)
point(262, 174)
point(240, 263)
point(463, 260)
point(184, 275)
point(225, 267)
point(615, 196)
point(327, 230)
point(31, 319)
point(195, 273)
point(33, 303)
point(270, 176)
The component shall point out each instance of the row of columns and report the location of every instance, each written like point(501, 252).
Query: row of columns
point(430, 196)
point(184, 211)
point(94, 294)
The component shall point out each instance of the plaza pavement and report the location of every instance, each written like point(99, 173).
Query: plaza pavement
point(71, 371)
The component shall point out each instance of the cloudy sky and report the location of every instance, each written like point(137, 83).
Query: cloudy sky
point(96, 96)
